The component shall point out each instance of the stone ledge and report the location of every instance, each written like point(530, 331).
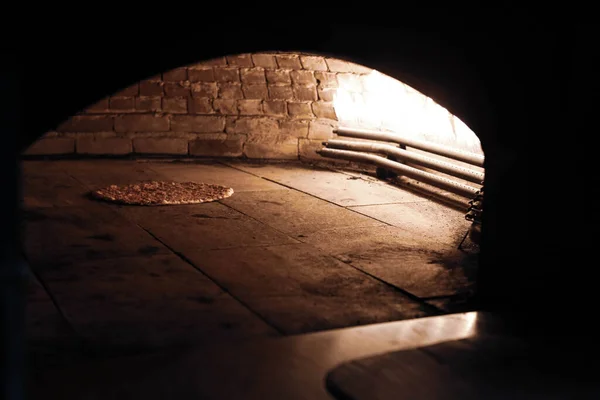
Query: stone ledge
point(108, 146)
point(160, 146)
point(51, 146)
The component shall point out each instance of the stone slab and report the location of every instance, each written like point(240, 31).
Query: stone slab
point(99, 173)
point(204, 227)
point(338, 188)
point(142, 302)
point(286, 270)
point(294, 212)
point(418, 265)
point(54, 236)
point(46, 185)
point(217, 174)
point(301, 314)
point(426, 219)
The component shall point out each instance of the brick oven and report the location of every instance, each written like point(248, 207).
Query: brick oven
point(276, 105)
point(245, 105)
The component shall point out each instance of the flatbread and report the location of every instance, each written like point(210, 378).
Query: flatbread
point(160, 193)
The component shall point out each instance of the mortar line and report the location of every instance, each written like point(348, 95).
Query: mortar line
point(213, 280)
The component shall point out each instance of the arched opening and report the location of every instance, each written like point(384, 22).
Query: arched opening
point(306, 243)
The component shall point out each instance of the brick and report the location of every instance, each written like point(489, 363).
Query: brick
point(151, 88)
point(288, 61)
point(307, 149)
point(305, 93)
point(99, 107)
point(320, 130)
point(303, 77)
point(175, 105)
point(204, 89)
point(177, 74)
point(324, 109)
point(141, 123)
point(313, 63)
point(326, 79)
point(132, 90)
point(240, 60)
point(275, 107)
point(122, 103)
point(273, 151)
point(253, 75)
point(87, 123)
point(95, 135)
point(295, 129)
point(50, 146)
point(350, 82)
point(227, 74)
point(218, 146)
point(197, 123)
point(249, 107)
point(254, 126)
point(278, 76)
point(300, 110)
point(264, 61)
point(160, 146)
point(258, 91)
point(201, 74)
point(280, 92)
point(219, 61)
point(230, 91)
point(176, 89)
point(200, 105)
point(326, 94)
point(225, 106)
point(108, 146)
point(336, 65)
point(148, 103)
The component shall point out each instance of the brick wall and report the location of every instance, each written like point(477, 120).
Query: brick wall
point(260, 106)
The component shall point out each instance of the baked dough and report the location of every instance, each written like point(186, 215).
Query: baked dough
point(159, 193)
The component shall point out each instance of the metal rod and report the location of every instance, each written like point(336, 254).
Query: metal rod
point(387, 149)
point(426, 177)
point(469, 158)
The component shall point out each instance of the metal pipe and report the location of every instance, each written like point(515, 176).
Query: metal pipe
point(469, 158)
point(387, 149)
point(426, 177)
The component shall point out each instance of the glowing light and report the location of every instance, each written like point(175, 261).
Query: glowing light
point(387, 104)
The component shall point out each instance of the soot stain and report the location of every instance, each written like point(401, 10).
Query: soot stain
point(203, 299)
point(205, 216)
point(107, 237)
point(148, 250)
point(272, 202)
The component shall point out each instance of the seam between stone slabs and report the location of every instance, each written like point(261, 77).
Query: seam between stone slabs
point(349, 208)
point(53, 300)
point(325, 200)
point(435, 310)
point(223, 288)
point(388, 204)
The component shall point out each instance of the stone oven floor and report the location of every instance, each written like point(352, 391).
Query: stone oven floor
point(296, 249)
